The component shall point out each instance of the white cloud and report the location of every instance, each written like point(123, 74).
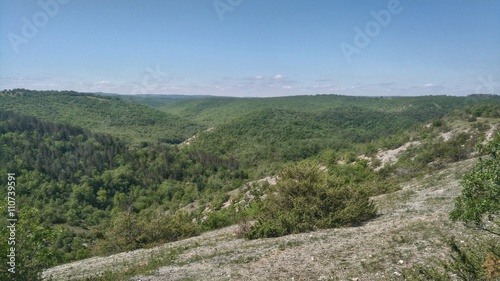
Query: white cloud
point(256, 86)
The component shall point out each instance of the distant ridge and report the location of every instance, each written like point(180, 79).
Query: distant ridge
point(108, 113)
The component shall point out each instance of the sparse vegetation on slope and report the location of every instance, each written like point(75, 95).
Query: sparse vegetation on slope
point(478, 207)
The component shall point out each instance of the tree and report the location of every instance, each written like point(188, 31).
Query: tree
point(122, 234)
point(478, 205)
point(33, 246)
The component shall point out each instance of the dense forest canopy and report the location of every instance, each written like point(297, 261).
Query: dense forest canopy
point(218, 110)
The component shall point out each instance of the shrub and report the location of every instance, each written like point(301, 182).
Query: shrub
point(243, 228)
point(219, 219)
point(130, 231)
point(478, 205)
point(306, 198)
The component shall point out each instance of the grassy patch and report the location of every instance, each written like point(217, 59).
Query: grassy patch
point(145, 267)
point(289, 244)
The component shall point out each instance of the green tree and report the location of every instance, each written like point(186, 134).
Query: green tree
point(479, 203)
point(102, 197)
point(33, 246)
point(124, 232)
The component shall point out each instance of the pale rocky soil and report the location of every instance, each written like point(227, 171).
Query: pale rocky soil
point(392, 155)
point(490, 133)
point(193, 138)
point(411, 229)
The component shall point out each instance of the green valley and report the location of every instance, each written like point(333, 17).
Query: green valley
point(98, 174)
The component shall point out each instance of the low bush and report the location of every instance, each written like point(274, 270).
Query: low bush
point(306, 198)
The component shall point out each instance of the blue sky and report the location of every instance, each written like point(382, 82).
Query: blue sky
point(252, 47)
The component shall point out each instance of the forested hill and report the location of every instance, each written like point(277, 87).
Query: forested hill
point(128, 120)
point(173, 119)
point(264, 132)
point(93, 182)
point(279, 135)
point(157, 100)
point(213, 111)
